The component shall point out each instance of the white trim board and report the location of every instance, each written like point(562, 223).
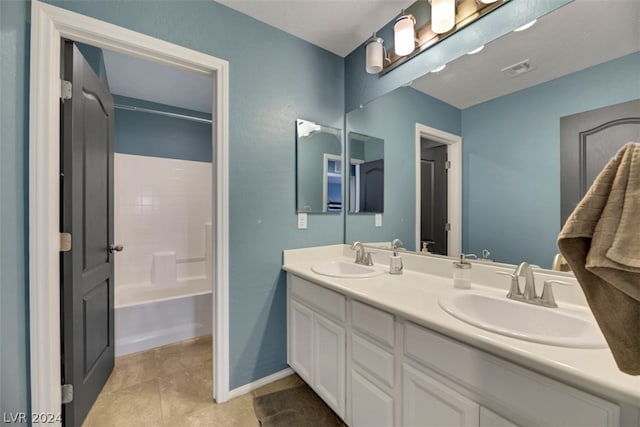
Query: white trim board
point(261, 382)
point(325, 176)
point(49, 24)
point(454, 185)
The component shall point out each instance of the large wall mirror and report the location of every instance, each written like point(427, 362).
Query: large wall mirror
point(505, 103)
point(318, 168)
point(366, 173)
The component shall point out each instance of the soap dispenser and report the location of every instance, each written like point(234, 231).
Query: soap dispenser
point(395, 261)
point(462, 273)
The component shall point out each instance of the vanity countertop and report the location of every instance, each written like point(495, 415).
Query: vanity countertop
point(414, 296)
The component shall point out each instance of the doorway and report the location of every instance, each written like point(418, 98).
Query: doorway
point(49, 26)
point(588, 140)
point(446, 150)
point(433, 198)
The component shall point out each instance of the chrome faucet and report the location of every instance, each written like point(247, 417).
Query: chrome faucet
point(362, 257)
point(529, 294)
point(525, 270)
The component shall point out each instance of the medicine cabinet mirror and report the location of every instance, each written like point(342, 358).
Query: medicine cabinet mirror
point(318, 168)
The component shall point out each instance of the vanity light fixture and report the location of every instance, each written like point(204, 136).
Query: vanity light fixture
point(476, 50)
point(443, 15)
point(375, 54)
point(525, 26)
point(418, 29)
point(404, 34)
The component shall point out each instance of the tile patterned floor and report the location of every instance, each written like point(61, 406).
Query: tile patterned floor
point(171, 386)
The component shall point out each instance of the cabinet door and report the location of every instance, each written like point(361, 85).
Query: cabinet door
point(489, 418)
point(329, 363)
point(427, 402)
point(370, 406)
point(300, 340)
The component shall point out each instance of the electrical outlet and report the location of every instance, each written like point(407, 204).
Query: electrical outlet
point(378, 220)
point(302, 221)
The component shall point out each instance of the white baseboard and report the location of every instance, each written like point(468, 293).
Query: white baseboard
point(259, 383)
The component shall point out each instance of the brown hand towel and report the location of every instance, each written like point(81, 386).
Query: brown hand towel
point(601, 243)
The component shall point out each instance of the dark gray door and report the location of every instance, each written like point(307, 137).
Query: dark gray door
point(87, 213)
point(588, 141)
point(372, 186)
point(433, 198)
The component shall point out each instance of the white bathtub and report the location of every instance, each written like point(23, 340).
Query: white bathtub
point(148, 316)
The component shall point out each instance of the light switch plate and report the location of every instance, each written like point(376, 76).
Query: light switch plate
point(302, 221)
point(378, 220)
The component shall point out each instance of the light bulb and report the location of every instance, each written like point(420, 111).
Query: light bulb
point(404, 37)
point(443, 15)
point(375, 55)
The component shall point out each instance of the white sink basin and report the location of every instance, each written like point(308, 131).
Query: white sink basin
point(346, 269)
point(555, 326)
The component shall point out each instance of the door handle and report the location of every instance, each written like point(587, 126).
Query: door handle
point(115, 248)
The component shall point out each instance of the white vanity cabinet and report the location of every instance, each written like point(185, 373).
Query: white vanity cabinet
point(376, 368)
point(316, 340)
point(428, 402)
point(530, 398)
point(372, 363)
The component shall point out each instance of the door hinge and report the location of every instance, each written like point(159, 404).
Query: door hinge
point(67, 393)
point(447, 165)
point(65, 89)
point(447, 227)
point(65, 242)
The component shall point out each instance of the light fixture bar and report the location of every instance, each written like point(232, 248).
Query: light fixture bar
point(467, 11)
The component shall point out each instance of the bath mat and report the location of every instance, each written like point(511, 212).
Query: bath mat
point(294, 407)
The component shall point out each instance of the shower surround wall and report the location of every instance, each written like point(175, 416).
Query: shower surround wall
point(163, 179)
point(163, 275)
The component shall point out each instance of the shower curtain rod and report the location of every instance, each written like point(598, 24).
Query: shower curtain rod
point(163, 113)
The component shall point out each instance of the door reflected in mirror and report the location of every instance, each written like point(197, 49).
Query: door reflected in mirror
point(318, 168)
point(366, 174)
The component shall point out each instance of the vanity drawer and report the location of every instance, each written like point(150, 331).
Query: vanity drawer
point(374, 360)
point(373, 322)
point(507, 384)
point(323, 299)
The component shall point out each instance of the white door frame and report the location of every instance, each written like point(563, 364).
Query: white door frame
point(325, 177)
point(454, 185)
point(48, 25)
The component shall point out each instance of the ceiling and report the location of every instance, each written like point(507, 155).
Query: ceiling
point(151, 81)
point(579, 35)
point(338, 26)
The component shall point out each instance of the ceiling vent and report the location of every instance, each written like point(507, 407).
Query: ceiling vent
point(518, 68)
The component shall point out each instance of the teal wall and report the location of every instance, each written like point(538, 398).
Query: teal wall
point(14, 72)
point(511, 167)
point(362, 88)
point(393, 118)
point(95, 58)
point(148, 134)
point(275, 78)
